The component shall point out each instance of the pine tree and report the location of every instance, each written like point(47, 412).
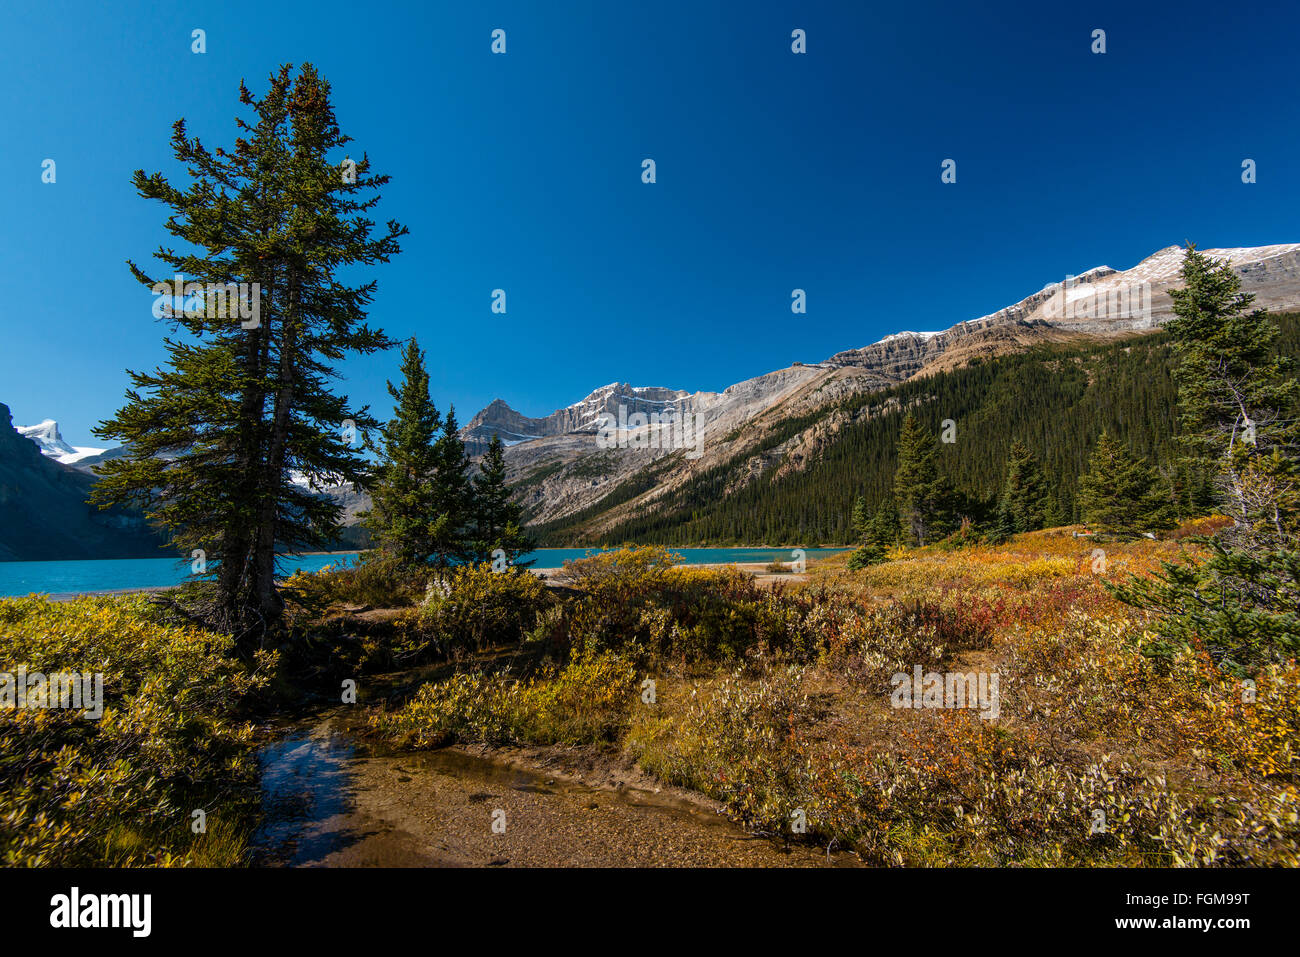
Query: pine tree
point(861, 518)
point(1237, 402)
point(1004, 526)
point(1121, 494)
point(1025, 501)
point(401, 490)
point(245, 400)
point(497, 519)
point(1237, 399)
point(877, 533)
point(452, 497)
point(921, 492)
point(1053, 513)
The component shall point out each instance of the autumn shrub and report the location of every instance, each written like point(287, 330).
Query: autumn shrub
point(375, 581)
point(957, 792)
point(732, 739)
point(869, 645)
point(1087, 680)
point(468, 706)
point(588, 701)
point(1109, 748)
point(981, 795)
point(634, 600)
point(629, 571)
point(1254, 724)
point(473, 607)
point(120, 790)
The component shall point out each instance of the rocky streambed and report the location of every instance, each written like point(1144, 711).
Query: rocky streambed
point(333, 799)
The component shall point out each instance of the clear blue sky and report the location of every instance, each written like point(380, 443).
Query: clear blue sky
point(522, 172)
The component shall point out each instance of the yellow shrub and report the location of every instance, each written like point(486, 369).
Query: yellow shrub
point(119, 791)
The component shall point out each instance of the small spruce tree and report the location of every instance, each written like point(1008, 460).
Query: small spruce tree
point(497, 519)
point(921, 492)
point(401, 489)
point(877, 532)
point(452, 497)
point(1025, 500)
point(1121, 494)
point(1238, 410)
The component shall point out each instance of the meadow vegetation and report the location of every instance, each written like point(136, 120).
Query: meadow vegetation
point(121, 790)
point(774, 700)
point(1110, 747)
point(1137, 701)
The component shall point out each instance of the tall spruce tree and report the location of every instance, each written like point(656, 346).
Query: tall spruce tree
point(452, 497)
point(402, 492)
point(1238, 409)
point(920, 491)
point(497, 519)
point(1237, 399)
point(216, 435)
point(1122, 494)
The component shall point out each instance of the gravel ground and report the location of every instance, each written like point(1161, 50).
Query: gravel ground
point(330, 804)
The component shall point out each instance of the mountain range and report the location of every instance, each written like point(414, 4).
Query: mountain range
point(560, 471)
point(592, 464)
point(43, 510)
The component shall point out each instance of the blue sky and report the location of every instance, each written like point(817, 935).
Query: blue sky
point(523, 172)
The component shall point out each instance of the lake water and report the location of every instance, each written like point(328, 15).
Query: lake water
point(62, 578)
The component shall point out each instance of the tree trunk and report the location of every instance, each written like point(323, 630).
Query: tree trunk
point(269, 603)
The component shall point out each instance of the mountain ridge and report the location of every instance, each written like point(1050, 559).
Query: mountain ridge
point(563, 465)
point(559, 471)
point(44, 515)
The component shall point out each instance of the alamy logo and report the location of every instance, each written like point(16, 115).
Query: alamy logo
point(102, 910)
point(212, 300)
point(1075, 300)
point(33, 689)
point(655, 430)
point(952, 689)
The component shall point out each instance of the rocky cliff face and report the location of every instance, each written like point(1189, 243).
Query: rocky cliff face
point(498, 418)
point(561, 470)
point(560, 467)
point(44, 514)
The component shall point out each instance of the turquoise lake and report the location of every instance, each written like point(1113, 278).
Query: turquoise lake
point(64, 578)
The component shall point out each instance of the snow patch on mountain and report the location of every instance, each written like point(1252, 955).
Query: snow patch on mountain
point(48, 439)
point(908, 335)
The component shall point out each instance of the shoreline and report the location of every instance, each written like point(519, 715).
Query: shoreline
point(760, 569)
point(757, 569)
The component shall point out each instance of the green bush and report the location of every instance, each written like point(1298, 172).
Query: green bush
point(474, 607)
point(120, 790)
point(865, 556)
point(375, 581)
point(633, 600)
point(589, 701)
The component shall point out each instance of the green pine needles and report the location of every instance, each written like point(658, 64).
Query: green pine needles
point(216, 434)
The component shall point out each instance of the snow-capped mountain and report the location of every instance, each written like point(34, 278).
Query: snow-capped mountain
point(44, 515)
point(48, 439)
point(582, 416)
point(1103, 301)
point(560, 469)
